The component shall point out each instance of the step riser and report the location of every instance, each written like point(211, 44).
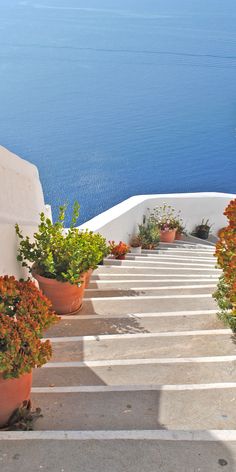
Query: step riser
point(122, 410)
point(126, 284)
point(133, 348)
point(158, 263)
point(152, 291)
point(167, 270)
point(83, 327)
point(166, 374)
point(171, 258)
point(158, 277)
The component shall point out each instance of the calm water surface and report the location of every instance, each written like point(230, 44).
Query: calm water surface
point(115, 98)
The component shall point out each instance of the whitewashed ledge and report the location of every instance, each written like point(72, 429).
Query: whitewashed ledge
point(120, 221)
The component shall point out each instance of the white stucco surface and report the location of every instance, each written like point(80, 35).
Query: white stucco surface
point(21, 201)
point(121, 221)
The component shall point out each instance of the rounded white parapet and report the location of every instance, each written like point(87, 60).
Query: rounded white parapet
point(121, 221)
point(21, 201)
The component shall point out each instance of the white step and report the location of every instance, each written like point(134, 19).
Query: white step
point(118, 451)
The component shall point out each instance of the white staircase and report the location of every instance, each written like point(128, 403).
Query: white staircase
point(142, 379)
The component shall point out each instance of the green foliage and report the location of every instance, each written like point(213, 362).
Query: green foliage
point(221, 296)
point(24, 313)
point(205, 225)
point(60, 253)
point(149, 234)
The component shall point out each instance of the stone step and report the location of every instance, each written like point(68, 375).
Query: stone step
point(142, 291)
point(137, 372)
point(138, 407)
point(180, 250)
point(144, 345)
point(171, 257)
point(147, 303)
point(189, 244)
point(153, 283)
point(118, 451)
point(160, 269)
point(157, 276)
point(148, 262)
point(90, 326)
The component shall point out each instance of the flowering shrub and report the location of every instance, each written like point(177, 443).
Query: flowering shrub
point(24, 313)
point(226, 257)
point(118, 250)
point(167, 218)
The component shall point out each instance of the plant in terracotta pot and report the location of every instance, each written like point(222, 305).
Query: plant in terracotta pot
point(24, 314)
point(149, 234)
point(118, 251)
point(60, 259)
point(136, 244)
point(180, 229)
point(202, 231)
point(166, 219)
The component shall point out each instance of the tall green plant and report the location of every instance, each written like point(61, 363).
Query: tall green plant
point(60, 253)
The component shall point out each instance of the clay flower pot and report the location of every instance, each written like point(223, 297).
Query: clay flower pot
point(168, 236)
point(120, 258)
point(178, 236)
point(13, 392)
point(66, 298)
point(88, 277)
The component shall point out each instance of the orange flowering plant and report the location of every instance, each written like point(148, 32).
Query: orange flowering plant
point(118, 250)
point(226, 257)
point(24, 313)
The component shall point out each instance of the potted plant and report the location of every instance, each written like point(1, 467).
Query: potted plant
point(98, 249)
point(118, 251)
point(149, 234)
point(136, 244)
point(180, 230)
point(166, 219)
point(202, 230)
point(24, 314)
point(59, 259)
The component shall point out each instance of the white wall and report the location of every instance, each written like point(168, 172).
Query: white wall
point(120, 221)
point(21, 201)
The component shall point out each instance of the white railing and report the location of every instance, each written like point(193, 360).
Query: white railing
point(120, 222)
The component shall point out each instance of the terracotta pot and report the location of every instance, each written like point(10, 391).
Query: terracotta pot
point(121, 258)
point(13, 392)
point(88, 277)
point(178, 236)
point(66, 298)
point(168, 236)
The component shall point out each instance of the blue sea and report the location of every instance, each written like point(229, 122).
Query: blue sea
point(112, 98)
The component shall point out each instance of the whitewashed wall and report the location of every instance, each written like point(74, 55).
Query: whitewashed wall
point(21, 201)
point(120, 221)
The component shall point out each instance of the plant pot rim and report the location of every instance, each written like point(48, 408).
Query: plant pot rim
point(39, 277)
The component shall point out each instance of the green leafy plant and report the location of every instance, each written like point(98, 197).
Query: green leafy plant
point(205, 225)
point(149, 234)
point(60, 253)
point(24, 313)
point(221, 295)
